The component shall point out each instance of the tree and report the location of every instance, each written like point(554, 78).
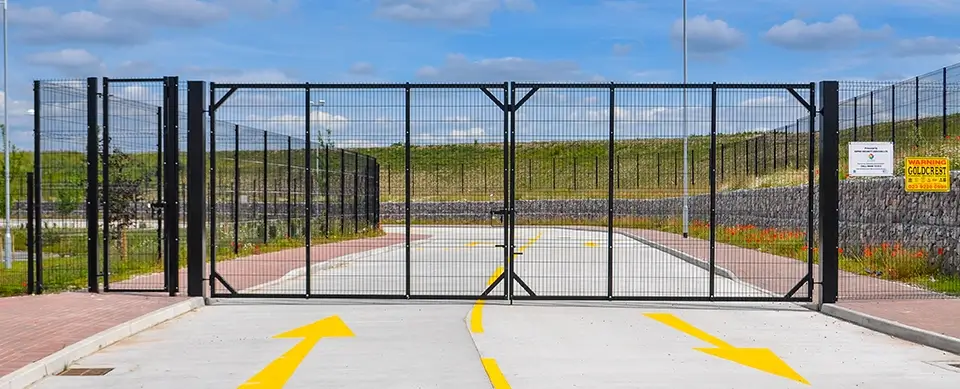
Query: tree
point(126, 191)
point(325, 142)
point(70, 196)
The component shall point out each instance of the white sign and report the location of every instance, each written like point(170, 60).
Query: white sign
point(871, 159)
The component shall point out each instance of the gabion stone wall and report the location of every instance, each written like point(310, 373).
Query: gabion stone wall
point(872, 212)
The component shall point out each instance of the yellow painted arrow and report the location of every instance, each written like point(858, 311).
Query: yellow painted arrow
point(758, 358)
point(276, 374)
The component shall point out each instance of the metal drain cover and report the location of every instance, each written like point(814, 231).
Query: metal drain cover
point(84, 371)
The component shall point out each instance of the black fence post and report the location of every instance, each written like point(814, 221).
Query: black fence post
point(610, 172)
point(266, 218)
point(943, 118)
point(855, 126)
point(368, 190)
point(407, 190)
point(326, 191)
point(308, 184)
point(172, 183)
point(873, 124)
point(236, 189)
point(93, 199)
point(342, 197)
point(713, 188)
point(723, 157)
point(159, 174)
point(916, 107)
point(658, 173)
point(829, 191)
point(797, 163)
point(893, 115)
point(574, 173)
point(31, 275)
point(289, 185)
point(196, 181)
point(356, 193)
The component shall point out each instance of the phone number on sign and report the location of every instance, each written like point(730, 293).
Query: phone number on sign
point(927, 186)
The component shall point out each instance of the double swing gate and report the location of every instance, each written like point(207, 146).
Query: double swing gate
point(512, 191)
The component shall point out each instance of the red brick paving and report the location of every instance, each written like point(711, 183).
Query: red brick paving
point(250, 271)
point(873, 296)
point(33, 327)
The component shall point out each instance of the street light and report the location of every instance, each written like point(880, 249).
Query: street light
point(686, 189)
point(7, 236)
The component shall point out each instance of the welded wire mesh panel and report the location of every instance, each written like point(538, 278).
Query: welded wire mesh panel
point(896, 243)
point(762, 226)
point(62, 170)
point(456, 173)
point(650, 127)
point(284, 192)
point(562, 139)
point(131, 163)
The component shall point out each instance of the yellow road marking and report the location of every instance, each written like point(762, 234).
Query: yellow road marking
point(493, 371)
point(591, 244)
point(476, 314)
point(471, 244)
point(758, 358)
point(276, 374)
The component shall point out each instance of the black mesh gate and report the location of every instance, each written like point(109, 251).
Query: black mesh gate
point(139, 184)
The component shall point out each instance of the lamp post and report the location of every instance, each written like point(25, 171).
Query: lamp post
point(317, 103)
point(686, 188)
point(7, 236)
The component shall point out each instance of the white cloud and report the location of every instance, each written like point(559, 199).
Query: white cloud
point(70, 62)
point(471, 133)
point(362, 68)
point(926, 46)
point(43, 25)
point(458, 67)
point(707, 36)
point(622, 49)
point(179, 13)
point(446, 13)
point(843, 32)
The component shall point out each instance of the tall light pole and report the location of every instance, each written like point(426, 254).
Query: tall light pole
point(686, 188)
point(7, 236)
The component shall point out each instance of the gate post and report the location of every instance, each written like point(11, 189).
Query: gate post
point(93, 192)
point(171, 182)
point(829, 190)
point(196, 181)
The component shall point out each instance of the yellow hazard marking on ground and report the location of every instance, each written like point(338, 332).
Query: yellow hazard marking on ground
point(493, 371)
point(476, 314)
point(591, 244)
point(758, 358)
point(472, 244)
point(276, 374)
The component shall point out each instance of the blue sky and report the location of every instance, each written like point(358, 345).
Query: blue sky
point(475, 40)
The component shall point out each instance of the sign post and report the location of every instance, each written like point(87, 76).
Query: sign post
point(870, 159)
point(927, 174)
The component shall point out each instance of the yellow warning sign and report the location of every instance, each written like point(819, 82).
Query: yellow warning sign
point(927, 174)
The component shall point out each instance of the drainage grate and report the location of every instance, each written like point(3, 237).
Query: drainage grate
point(83, 371)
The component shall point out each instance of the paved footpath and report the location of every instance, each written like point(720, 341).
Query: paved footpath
point(357, 344)
point(34, 327)
point(883, 299)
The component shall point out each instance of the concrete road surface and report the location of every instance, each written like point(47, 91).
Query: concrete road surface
point(416, 344)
